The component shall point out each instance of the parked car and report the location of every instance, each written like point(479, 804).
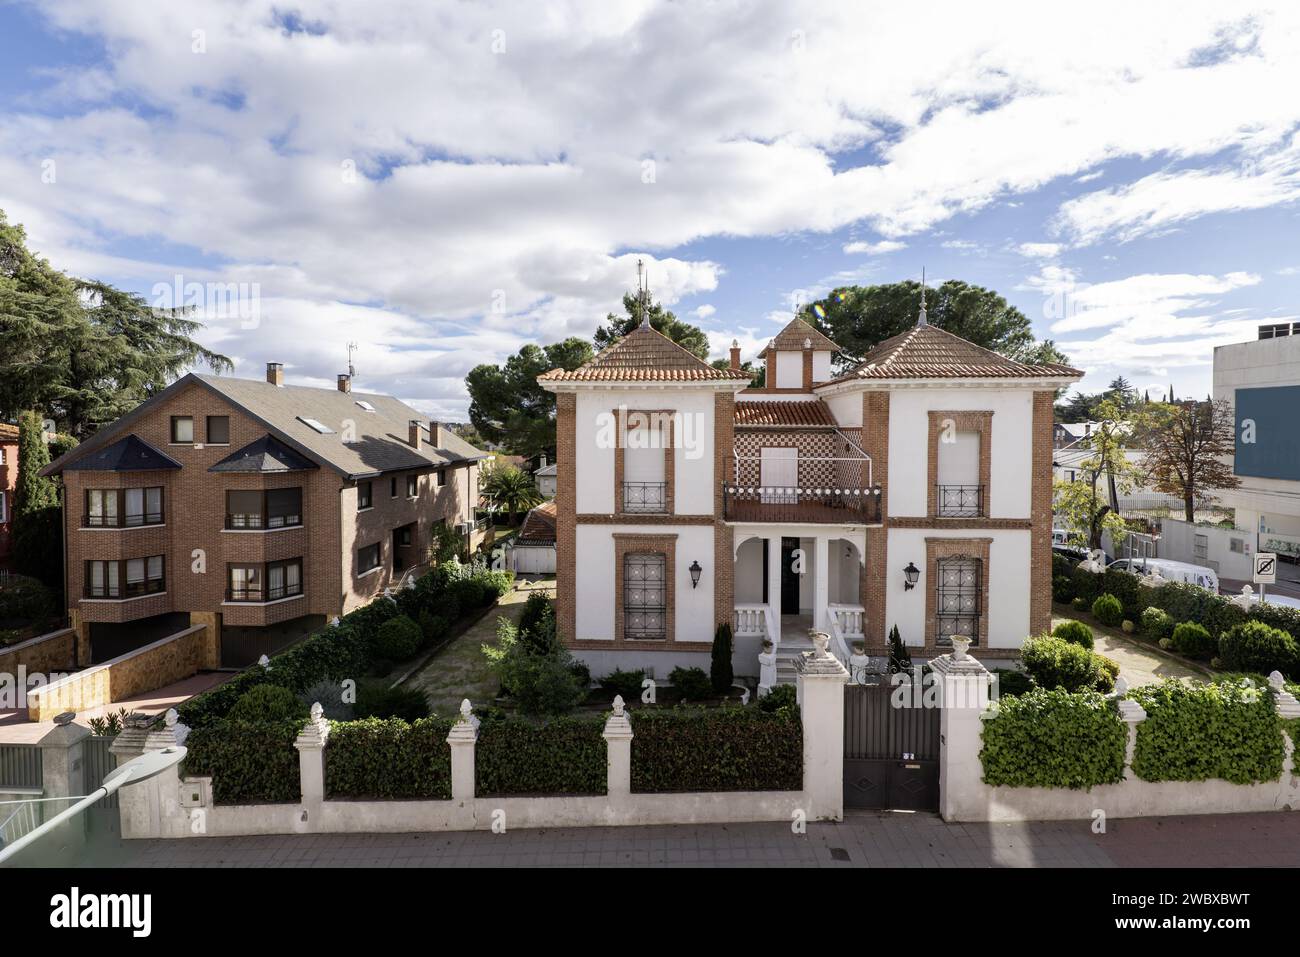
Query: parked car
point(1069, 551)
point(1170, 570)
point(1272, 599)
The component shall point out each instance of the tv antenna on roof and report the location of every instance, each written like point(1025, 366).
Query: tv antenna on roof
point(352, 371)
point(643, 291)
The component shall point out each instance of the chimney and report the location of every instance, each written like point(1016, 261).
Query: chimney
point(345, 382)
point(735, 356)
point(544, 462)
point(413, 431)
point(275, 373)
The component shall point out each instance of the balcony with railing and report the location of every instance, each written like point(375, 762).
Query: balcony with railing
point(645, 497)
point(828, 489)
point(960, 501)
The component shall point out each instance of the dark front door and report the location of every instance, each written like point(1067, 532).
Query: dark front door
point(789, 577)
point(891, 749)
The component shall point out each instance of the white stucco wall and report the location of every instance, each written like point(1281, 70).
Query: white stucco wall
point(693, 455)
point(847, 409)
point(789, 370)
point(693, 620)
point(1011, 446)
point(1008, 578)
point(748, 577)
point(822, 367)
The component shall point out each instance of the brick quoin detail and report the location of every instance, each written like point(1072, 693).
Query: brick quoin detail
point(724, 567)
point(1040, 515)
point(566, 529)
point(875, 442)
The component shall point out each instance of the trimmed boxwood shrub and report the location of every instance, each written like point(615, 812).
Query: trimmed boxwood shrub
point(1075, 632)
point(1192, 640)
point(716, 749)
point(1079, 603)
point(1062, 588)
point(1194, 733)
point(1087, 585)
point(1156, 623)
point(625, 683)
point(1054, 739)
point(691, 683)
point(1057, 663)
point(268, 703)
point(249, 763)
point(564, 756)
point(782, 696)
point(398, 639)
point(1012, 681)
point(1108, 610)
point(389, 758)
point(1255, 646)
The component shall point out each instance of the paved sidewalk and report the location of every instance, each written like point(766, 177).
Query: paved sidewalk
point(864, 839)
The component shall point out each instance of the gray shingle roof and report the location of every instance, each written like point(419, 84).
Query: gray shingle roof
point(267, 454)
point(129, 454)
point(378, 439)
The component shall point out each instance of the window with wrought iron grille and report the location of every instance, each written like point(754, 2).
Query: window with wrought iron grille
point(959, 581)
point(645, 596)
point(960, 494)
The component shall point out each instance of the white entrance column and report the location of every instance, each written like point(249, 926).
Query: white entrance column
point(774, 580)
point(821, 582)
point(820, 682)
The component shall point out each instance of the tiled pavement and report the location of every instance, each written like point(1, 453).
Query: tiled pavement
point(864, 839)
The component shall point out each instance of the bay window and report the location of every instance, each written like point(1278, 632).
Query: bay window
point(263, 509)
point(125, 579)
point(262, 583)
point(124, 507)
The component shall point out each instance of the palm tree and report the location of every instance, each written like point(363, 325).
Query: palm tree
point(511, 489)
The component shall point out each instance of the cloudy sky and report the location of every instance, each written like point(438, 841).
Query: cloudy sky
point(443, 182)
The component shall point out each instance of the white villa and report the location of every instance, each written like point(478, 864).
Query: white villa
point(914, 490)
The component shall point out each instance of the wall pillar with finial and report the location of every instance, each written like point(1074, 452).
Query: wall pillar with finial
point(462, 738)
point(311, 743)
point(618, 745)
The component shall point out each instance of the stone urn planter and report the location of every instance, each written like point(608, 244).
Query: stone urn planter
point(960, 646)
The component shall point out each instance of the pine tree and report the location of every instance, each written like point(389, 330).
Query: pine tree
point(720, 667)
point(37, 536)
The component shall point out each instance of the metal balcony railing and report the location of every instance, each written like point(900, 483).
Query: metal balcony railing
point(758, 503)
point(645, 497)
point(960, 501)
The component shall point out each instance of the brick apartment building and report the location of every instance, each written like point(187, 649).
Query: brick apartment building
point(258, 508)
point(913, 489)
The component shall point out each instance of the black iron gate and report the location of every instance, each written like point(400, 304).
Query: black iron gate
point(891, 749)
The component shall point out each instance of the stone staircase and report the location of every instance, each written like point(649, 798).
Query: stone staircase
point(794, 641)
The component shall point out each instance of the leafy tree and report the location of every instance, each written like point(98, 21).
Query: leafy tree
point(445, 543)
point(757, 375)
point(859, 317)
point(1084, 507)
point(1188, 449)
point(509, 408)
point(511, 489)
point(81, 350)
point(900, 659)
point(689, 337)
point(37, 535)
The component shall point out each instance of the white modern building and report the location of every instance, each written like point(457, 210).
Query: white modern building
point(1261, 381)
point(912, 491)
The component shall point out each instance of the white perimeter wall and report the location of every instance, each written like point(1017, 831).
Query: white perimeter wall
point(1007, 571)
point(693, 465)
point(1012, 445)
point(693, 617)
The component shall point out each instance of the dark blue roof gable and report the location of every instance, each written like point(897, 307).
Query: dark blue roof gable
point(267, 454)
point(131, 454)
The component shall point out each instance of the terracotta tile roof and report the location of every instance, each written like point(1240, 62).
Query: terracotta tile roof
point(928, 352)
point(816, 414)
point(8, 433)
point(644, 355)
point(793, 335)
point(539, 526)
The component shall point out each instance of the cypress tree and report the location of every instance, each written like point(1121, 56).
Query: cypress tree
point(720, 673)
point(37, 535)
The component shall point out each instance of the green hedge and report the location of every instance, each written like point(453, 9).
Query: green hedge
point(347, 649)
point(1054, 739)
point(1194, 733)
point(389, 758)
point(716, 749)
point(248, 763)
point(564, 756)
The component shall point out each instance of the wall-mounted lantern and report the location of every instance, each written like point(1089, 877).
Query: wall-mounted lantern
point(695, 570)
point(911, 573)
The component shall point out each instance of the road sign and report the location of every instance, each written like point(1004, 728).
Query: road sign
point(1265, 568)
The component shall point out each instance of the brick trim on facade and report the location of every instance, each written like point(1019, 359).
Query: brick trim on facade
point(724, 566)
point(637, 518)
point(625, 544)
point(566, 530)
point(875, 442)
point(973, 524)
point(1040, 514)
point(937, 548)
point(980, 422)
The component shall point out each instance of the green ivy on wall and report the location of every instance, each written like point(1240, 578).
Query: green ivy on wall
point(1054, 739)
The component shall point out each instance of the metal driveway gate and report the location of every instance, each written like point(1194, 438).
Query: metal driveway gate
point(891, 753)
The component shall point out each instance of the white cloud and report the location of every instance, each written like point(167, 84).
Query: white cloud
point(492, 194)
point(874, 249)
point(1040, 250)
point(704, 312)
point(962, 245)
